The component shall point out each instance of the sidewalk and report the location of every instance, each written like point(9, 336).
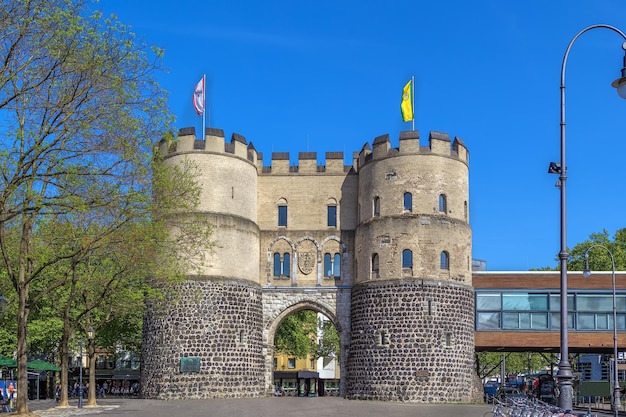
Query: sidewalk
point(273, 406)
point(261, 407)
point(601, 409)
point(49, 408)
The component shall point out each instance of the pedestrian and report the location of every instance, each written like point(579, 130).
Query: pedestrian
point(11, 394)
point(57, 393)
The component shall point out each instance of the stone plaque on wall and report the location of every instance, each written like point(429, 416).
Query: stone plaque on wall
point(190, 364)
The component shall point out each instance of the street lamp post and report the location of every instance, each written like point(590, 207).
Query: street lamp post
point(91, 399)
point(564, 375)
point(80, 376)
point(615, 398)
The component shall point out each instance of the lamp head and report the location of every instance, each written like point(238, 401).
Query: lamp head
point(586, 271)
point(90, 333)
point(620, 83)
point(554, 168)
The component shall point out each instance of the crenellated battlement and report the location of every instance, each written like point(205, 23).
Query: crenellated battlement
point(214, 142)
point(307, 164)
point(438, 144)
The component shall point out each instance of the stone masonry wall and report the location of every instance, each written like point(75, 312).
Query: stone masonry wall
point(217, 321)
point(412, 340)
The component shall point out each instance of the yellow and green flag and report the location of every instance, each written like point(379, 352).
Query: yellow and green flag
point(407, 102)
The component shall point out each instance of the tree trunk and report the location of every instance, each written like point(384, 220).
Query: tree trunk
point(63, 348)
point(22, 350)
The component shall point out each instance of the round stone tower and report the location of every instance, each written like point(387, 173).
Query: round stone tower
point(412, 309)
point(207, 341)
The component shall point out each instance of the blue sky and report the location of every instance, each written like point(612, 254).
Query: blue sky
point(294, 76)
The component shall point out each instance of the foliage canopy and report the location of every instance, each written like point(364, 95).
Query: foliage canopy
point(302, 334)
point(79, 228)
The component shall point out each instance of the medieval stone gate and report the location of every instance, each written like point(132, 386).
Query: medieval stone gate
point(381, 246)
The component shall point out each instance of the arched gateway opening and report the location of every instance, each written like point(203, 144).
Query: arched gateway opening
point(282, 372)
point(306, 355)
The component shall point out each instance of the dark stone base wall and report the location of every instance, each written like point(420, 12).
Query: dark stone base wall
point(219, 321)
point(411, 340)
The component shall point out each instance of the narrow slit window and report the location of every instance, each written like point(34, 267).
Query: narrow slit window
point(375, 267)
point(407, 258)
point(328, 267)
point(337, 265)
point(282, 215)
point(443, 204)
point(286, 265)
point(383, 338)
point(445, 260)
point(376, 206)
point(408, 202)
point(332, 216)
point(277, 265)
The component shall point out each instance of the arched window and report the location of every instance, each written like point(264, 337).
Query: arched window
point(444, 262)
point(332, 265)
point(286, 264)
point(407, 258)
point(282, 215)
point(376, 206)
point(277, 265)
point(282, 266)
point(375, 269)
point(331, 213)
point(328, 267)
point(282, 212)
point(443, 204)
point(408, 202)
point(337, 266)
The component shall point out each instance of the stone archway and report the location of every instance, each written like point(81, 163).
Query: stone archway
point(334, 303)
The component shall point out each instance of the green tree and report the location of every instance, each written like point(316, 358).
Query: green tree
point(328, 344)
point(489, 363)
point(105, 282)
point(303, 335)
point(295, 336)
point(80, 110)
point(599, 258)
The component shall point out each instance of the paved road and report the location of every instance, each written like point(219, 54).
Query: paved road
point(262, 407)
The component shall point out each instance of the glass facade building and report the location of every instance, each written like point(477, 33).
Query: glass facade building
point(540, 310)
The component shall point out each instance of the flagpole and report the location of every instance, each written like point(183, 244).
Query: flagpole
point(203, 106)
point(413, 100)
